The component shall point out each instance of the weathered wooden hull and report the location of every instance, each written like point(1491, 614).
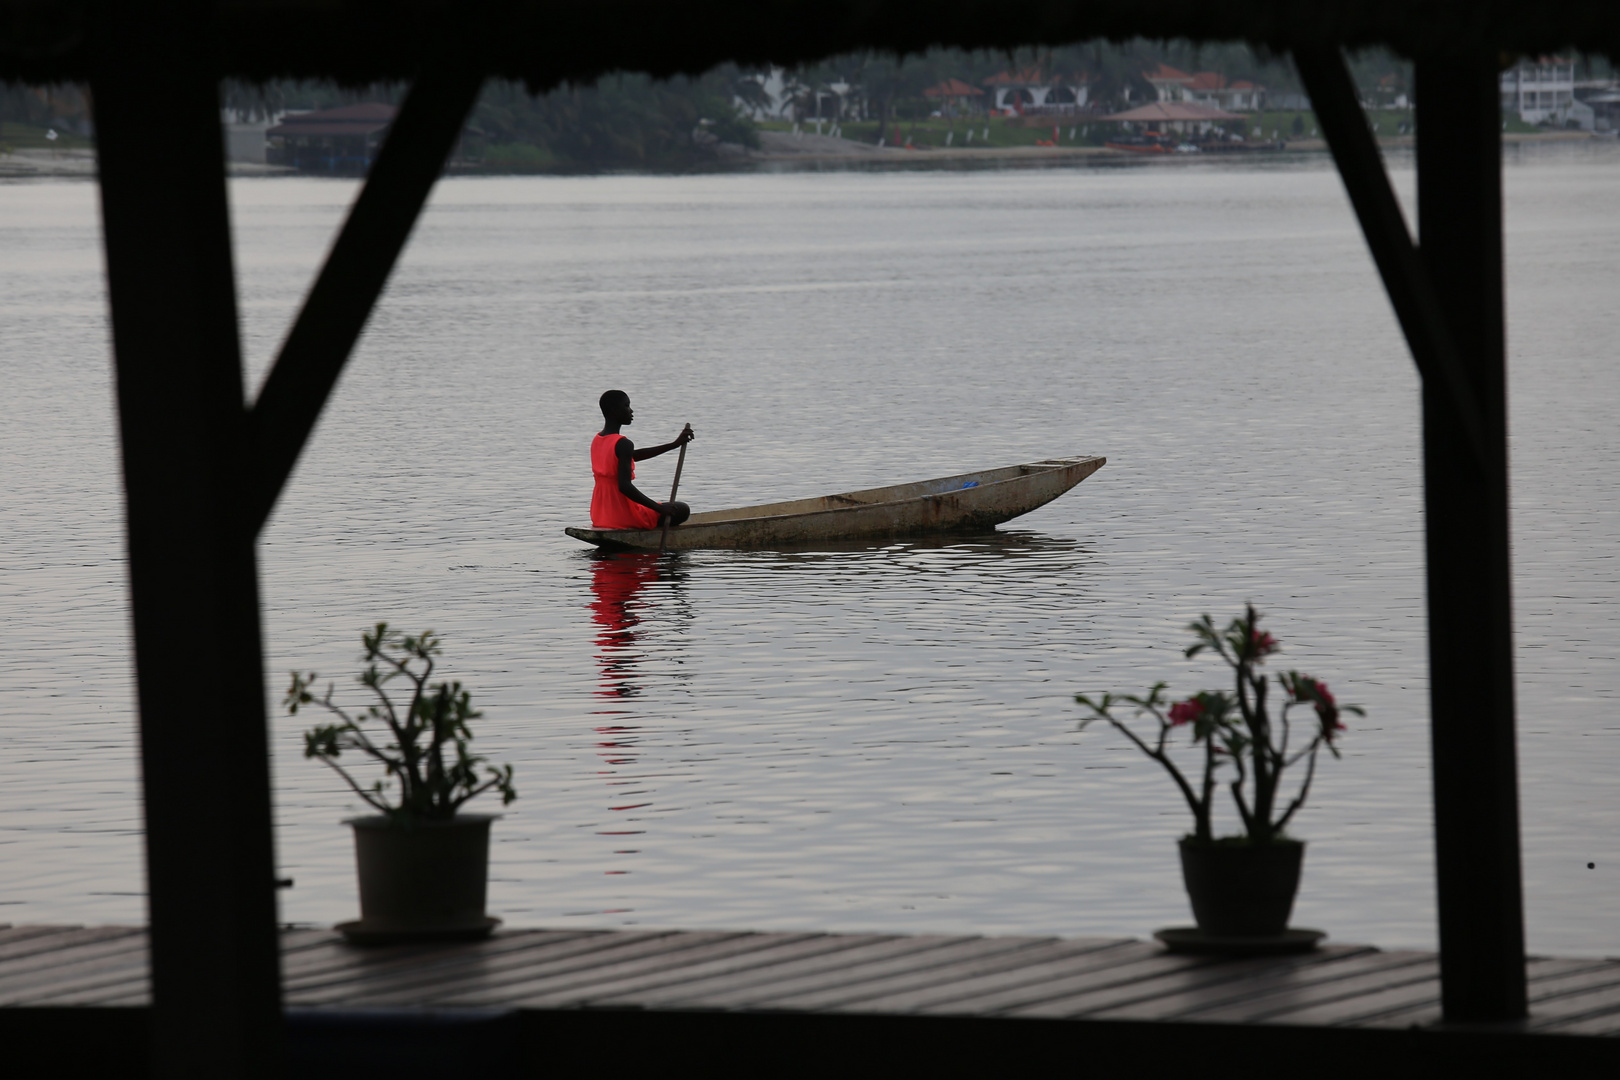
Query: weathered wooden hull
point(961, 503)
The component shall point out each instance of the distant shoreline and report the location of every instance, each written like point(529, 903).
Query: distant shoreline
point(809, 150)
point(774, 153)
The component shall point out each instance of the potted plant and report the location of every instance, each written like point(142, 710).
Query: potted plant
point(423, 864)
point(1242, 887)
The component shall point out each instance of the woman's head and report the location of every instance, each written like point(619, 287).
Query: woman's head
point(616, 407)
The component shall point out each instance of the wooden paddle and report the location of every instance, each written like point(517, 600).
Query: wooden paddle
point(663, 541)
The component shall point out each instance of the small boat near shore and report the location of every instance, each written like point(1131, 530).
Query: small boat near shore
point(965, 502)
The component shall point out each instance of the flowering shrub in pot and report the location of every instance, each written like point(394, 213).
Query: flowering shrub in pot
point(1241, 886)
point(423, 864)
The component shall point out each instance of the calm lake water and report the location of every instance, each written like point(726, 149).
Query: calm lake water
point(877, 738)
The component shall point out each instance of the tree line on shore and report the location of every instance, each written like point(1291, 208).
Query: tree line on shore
point(634, 122)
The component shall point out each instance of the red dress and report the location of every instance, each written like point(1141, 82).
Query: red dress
point(610, 508)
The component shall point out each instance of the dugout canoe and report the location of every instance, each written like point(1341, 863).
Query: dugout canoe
point(965, 502)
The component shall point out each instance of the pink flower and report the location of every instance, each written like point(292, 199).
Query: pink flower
point(1263, 644)
point(1186, 712)
point(1326, 710)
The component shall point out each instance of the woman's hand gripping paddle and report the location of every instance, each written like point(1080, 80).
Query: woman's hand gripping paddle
point(663, 541)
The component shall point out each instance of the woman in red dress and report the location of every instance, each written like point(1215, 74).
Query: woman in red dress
point(616, 503)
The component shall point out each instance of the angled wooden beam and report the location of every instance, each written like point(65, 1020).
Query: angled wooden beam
point(356, 270)
point(1406, 279)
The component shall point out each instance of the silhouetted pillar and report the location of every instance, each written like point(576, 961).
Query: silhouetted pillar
point(192, 574)
point(1470, 610)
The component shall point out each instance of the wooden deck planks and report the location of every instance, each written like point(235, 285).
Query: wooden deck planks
point(662, 987)
point(732, 954)
point(1023, 989)
point(1278, 995)
point(575, 990)
point(803, 973)
point(1367, 1007)
point(888, 990)
point(336, 970)
point(126, 984)
point(1040, 965)
point(1284, 979)
point(1596, 1001)
point(774, 988)
point(19, 944)
point(1113, 995)
point(42, 976)
point(584, 956)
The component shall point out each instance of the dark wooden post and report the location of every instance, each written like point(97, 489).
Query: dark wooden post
point(193, 578)
point(1466, 503)
point(1448, 297)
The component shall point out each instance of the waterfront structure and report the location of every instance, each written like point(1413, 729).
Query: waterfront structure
point(543, 1003)
point(1215, 90)
point(955, 94)
point(1209, 88)
point(1603, 98)
point(344, 140)
point(203, 463)
point(1173, 116)
point(784, 97)
point(245, 135)
point(1170, 84)
point(1031, 89)
point(1541, 90)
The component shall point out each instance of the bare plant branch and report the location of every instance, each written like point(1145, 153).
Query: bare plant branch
point(428, 787)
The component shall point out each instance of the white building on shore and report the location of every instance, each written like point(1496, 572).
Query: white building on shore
point(1207, 88)
point(1542, 91)
point(1031, 89)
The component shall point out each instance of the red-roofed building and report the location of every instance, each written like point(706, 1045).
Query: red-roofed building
point(340, 140)
point(954, 94)
point(1031, 89)
point(1212, 89)
point(1205, 88)
point(1168, 83)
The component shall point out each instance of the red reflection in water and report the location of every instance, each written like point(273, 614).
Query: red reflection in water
point(618, 604)
point(616, 581)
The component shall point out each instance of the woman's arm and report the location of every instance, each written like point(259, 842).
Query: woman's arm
point(626, 451)
point(686, 436)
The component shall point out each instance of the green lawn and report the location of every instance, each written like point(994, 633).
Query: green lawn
point(519, 158)
point(1282, 125)
point(17, 136)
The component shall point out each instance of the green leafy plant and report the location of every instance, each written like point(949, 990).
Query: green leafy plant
point(422, 745)
point(1236, 730)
